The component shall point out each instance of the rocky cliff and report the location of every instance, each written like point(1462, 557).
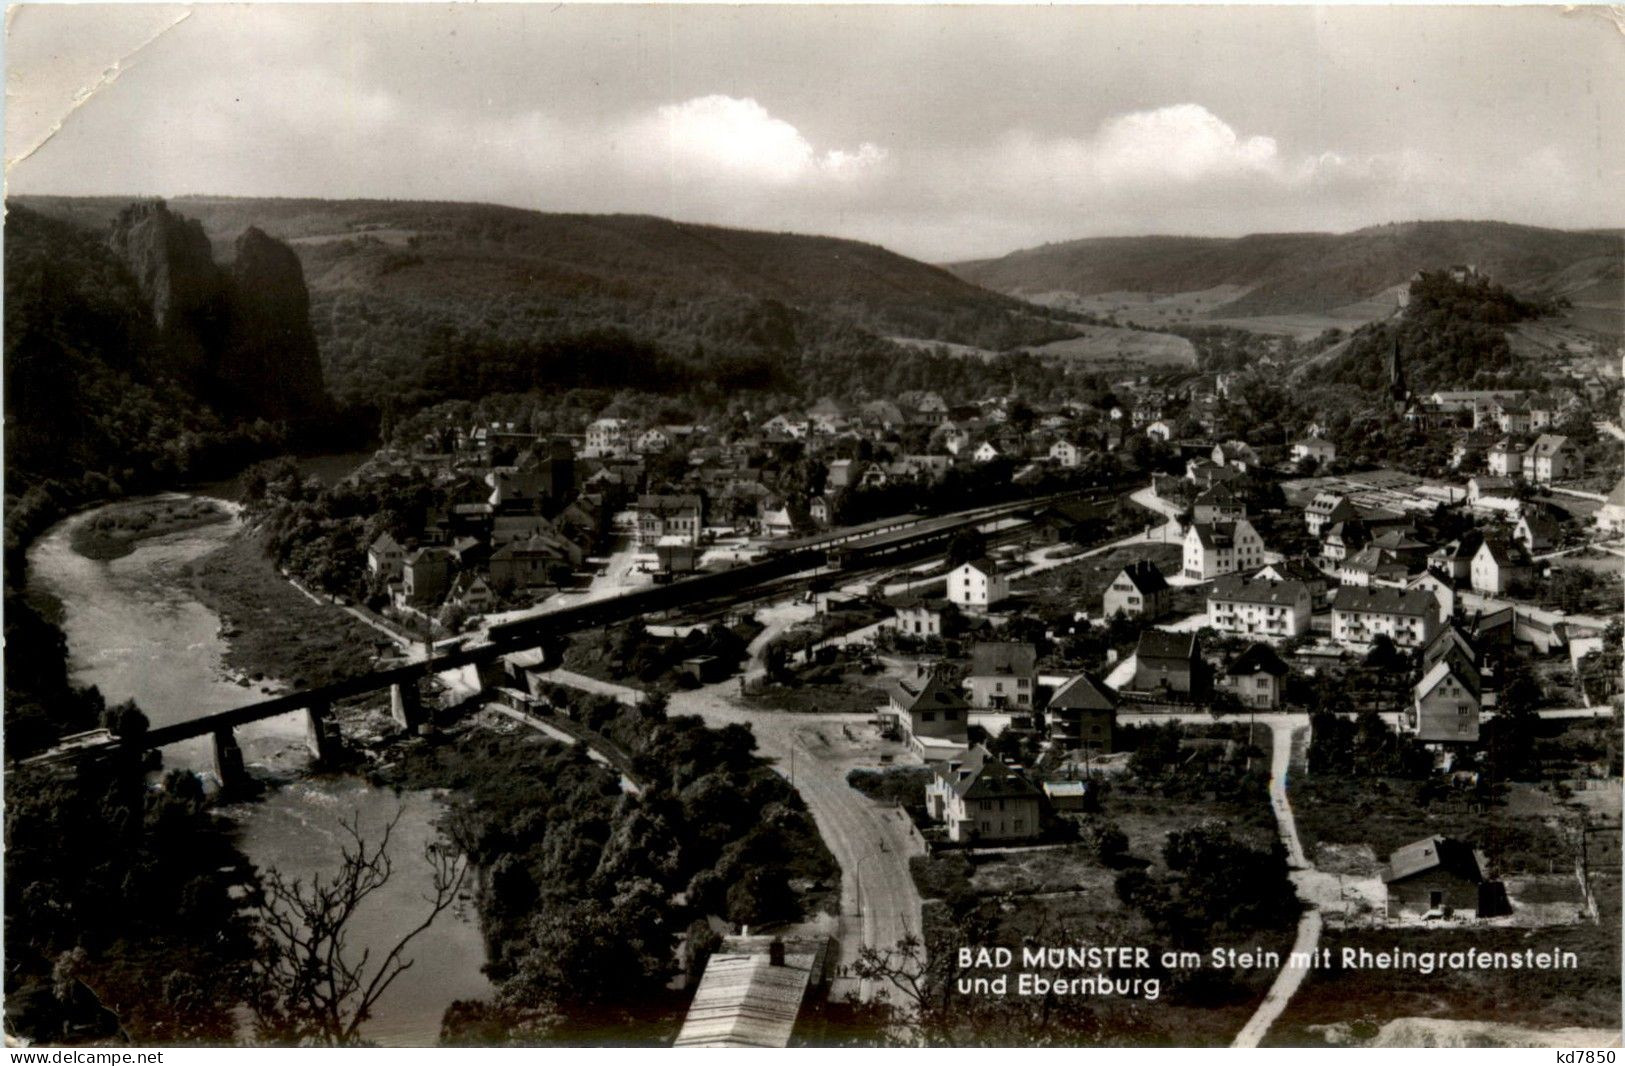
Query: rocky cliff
point(169, 257)
point(241, 335)
point(269, 362)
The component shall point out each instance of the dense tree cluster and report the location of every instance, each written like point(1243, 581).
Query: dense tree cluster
point(587, 888)
point(161, 967)
point(1451, 336)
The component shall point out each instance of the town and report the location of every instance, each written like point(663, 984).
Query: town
point(1183, 602)
point(841, 526)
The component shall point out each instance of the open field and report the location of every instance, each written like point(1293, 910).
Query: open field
point(820, 690)
point(1349, 1006)
point(1150, 309)
point(1109, 345)
point(1385, 813)
point(925, 344)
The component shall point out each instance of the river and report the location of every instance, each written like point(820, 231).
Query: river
point(135, 631)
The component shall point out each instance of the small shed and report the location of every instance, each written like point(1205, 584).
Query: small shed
point(1440, 876)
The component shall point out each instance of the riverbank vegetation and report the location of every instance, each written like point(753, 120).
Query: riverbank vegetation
point(115, 532)
point(272, 629)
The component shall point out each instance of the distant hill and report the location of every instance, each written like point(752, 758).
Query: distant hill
point(395, 286)
point(1281, 274)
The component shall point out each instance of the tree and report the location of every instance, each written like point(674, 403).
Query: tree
point(308, 987)
point(125, 721)
point(966, 545)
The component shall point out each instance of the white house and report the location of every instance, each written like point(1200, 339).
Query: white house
point(1505, 460)
point(1323, 451)
point(1236, 453)
point(783, 425)
point(1328, 508)
point(1257, 608)
point(1065, 453)
point(386, 557)
point(1138, 591)
point(1497, 565)
point(977, 585)
point(1408, 617)
point(1610, 516)
point(985, 452)
point(606, 437)
point(1552, 458)
point(1161, 430)
point(1213, 549)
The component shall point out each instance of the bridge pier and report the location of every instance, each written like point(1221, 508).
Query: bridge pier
point(406, 706)
point(322, 733)
point(228, 760)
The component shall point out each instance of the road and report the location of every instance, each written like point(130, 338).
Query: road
point(872, 843)
point(1309, 926)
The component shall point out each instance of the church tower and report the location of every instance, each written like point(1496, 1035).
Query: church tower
point(1398, 392)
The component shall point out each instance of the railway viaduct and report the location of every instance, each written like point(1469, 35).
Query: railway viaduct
point(883, 543)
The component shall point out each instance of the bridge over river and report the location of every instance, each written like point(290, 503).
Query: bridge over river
point(884, 543)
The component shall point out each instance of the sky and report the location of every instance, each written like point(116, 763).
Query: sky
point(941, 132)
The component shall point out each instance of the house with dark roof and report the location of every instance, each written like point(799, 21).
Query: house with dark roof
point(1003, 675)
point(1170, 663)
point(1212, 549)
point(385, 556)
point(1436, 876)
point(921, 616)
point(1407, 617)
point(981, 800)
point(1343, 539)
point(1498, 564)
point(1446, 701)
point(1302, 571)
point(1454, 561)
point(426, 576)
point(1075, 521)
point(1220, 503)
point(1437, 586)
point(1246, 607)
point(1082, 714)
point(1536, 530)
point(669, 515)
point(1327, 508)
point(1552, 457)
point(926, 714)
point(1256, 677)
point(1371, 566)
point(1138, 591)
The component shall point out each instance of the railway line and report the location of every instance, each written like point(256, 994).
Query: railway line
point(852, 552)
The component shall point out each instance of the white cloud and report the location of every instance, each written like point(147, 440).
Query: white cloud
point(1179, 144)
point(725, 137)
point(1186, 142)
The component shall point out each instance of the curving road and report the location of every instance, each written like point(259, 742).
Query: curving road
point(1309, 926)
point(872, 843)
